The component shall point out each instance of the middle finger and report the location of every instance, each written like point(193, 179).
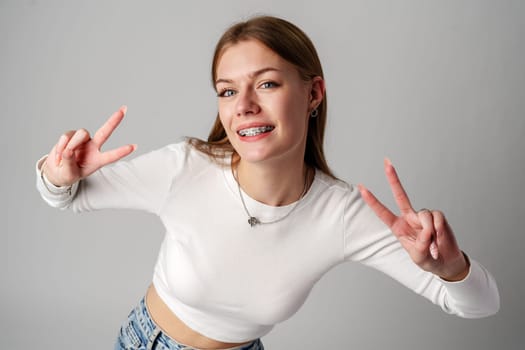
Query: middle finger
point(400, 195)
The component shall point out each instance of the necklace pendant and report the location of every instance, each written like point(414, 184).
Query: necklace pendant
point(253, 221)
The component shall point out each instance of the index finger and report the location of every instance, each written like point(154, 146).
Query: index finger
point(109, 126)
point(379, 208)
point(400, 196)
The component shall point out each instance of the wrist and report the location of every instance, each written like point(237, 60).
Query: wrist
point(51, 185)
point(460, 272)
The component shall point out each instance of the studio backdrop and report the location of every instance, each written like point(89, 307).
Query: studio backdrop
point(437, 86)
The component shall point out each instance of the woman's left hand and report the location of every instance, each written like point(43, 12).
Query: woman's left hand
point(425, 234)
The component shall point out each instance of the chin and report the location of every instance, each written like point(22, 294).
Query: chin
point(267, 155)
point(253, 156)
point(258, 152)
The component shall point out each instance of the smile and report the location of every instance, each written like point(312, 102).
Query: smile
point(255, 131)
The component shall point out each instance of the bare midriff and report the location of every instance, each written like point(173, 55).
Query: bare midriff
point(173, 327)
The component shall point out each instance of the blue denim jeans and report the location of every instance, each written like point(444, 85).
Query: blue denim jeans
point(139, 332)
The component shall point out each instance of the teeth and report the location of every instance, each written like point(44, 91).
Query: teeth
point(255, 131)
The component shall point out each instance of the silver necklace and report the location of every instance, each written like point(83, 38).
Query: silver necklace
point(254, 221)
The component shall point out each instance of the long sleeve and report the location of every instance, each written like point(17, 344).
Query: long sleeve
point(140, 183)
point(369, 241)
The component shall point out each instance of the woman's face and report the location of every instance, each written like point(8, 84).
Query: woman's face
point(264, 105)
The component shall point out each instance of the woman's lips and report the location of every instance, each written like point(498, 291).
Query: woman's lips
point(254, 131)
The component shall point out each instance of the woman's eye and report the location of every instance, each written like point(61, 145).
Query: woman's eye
point(268, 85)
point(226, 93)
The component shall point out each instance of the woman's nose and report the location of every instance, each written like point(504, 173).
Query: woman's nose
point(247, 103)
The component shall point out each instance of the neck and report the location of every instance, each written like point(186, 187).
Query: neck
point(274, 185)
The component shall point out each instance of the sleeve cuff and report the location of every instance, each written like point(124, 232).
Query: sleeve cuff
point(54, 195)
point(477, 293)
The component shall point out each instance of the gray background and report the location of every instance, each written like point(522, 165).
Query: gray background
point(438, 86)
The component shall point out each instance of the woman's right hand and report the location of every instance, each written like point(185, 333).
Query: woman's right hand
point(77, 155)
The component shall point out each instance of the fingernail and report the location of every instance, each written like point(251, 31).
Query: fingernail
point(434, 251)
point(124, 109)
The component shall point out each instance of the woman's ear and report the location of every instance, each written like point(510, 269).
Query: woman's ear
point(317, 92)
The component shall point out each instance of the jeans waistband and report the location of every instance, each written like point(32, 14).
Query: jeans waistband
point(154, 334)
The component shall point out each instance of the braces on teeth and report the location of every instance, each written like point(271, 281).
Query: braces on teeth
point(255, 131)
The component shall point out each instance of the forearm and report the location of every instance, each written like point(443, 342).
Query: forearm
point(475, 296)
point(140, 183)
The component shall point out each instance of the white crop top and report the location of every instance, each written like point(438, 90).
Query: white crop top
point(232, 282)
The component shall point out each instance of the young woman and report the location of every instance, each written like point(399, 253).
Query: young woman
point(253, 216)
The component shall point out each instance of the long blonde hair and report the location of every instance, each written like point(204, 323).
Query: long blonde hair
point(293, 45)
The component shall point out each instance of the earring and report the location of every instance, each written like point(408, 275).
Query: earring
point(314, 113)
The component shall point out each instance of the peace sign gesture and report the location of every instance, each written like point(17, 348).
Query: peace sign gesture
point(77, 155)
point(425, 234)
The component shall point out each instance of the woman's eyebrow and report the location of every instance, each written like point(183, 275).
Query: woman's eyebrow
point(251, 75)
